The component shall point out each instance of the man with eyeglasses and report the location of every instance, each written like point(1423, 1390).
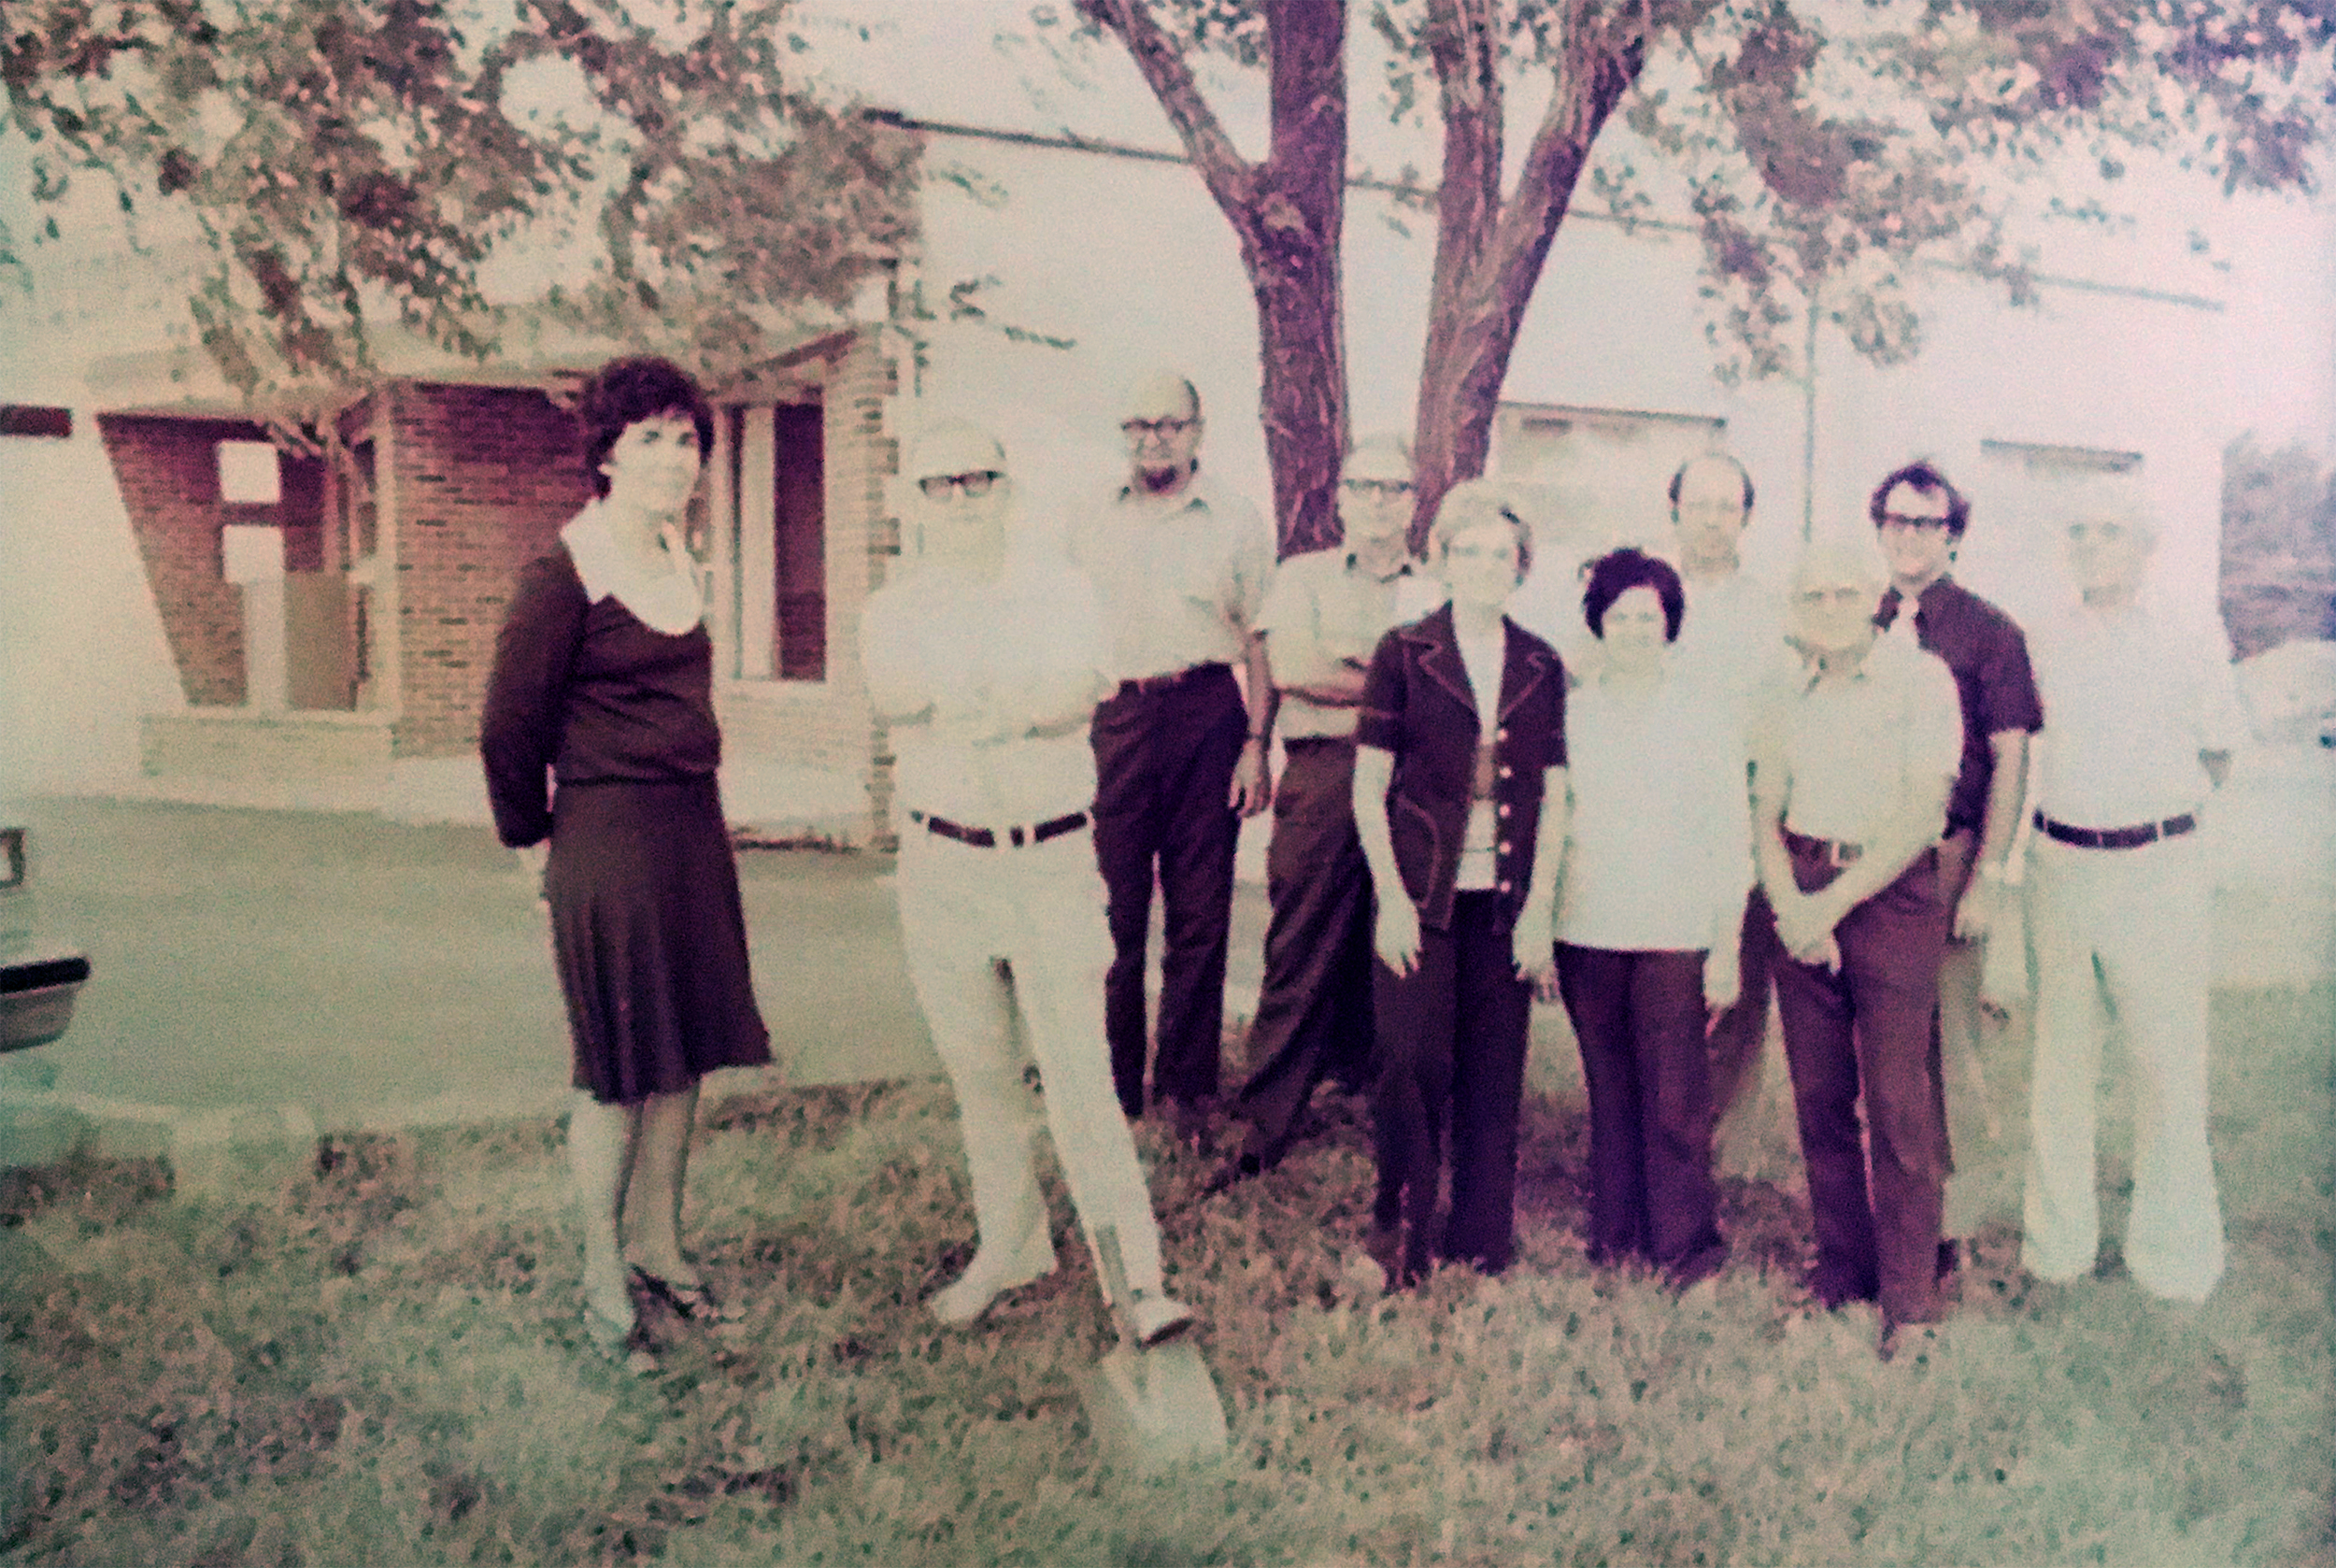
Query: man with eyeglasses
point(1851, 770)
point(1323, 617)
point(1181, 567)
point(1921, 518)
point(2144, 717)
point(985, 663)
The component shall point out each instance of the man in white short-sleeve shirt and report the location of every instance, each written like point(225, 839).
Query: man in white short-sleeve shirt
point(985, 662)
point(1850, 778)
point(2143, 718)
point(1181, 568)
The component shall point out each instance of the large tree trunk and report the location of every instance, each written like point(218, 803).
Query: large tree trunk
point(1489, 253)
point(1291, 244)
point(1289, 213)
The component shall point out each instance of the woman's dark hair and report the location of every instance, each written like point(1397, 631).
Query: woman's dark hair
point(624, 393)
point(1613, 575)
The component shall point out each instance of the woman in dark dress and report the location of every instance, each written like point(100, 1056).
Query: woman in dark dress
point(603, 681)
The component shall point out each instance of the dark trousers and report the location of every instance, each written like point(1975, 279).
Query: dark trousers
point(1735, 1039)
point(1163, 771)
point(1639, 1017)
point(1314, 1009)
point(1867, 1029)
point(1451, 1040)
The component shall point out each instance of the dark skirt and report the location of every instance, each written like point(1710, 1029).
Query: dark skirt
point(650, 939)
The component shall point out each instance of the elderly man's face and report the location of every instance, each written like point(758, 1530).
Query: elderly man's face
point(1162, 422)
point(963, 496)
point(1374, 498)
point(1832, 609)
point(2108, 553)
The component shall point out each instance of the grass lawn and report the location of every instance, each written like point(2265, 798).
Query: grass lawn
point(382, 1362)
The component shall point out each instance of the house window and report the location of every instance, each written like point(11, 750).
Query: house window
point(780, 547)
point(1598, 478)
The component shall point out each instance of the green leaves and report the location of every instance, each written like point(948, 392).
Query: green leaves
point(350, 162)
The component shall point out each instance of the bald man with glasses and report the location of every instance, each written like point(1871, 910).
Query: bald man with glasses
point(1181, 567)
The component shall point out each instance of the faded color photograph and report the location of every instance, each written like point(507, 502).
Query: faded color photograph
point(1268, 783)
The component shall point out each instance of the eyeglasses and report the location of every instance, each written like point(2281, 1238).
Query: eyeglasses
point(1383, 489)
point(937, 486)
point(1914, 522)
point(1844, 593)
point(1142, 430)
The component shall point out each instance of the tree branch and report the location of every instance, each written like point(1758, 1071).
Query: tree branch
point(1230, 177)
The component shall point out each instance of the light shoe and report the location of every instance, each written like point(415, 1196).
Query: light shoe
point(991, 1274)
point(1156, 1318)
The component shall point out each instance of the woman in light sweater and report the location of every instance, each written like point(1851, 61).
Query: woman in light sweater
point(1657, 862)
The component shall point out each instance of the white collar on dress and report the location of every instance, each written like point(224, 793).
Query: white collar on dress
point(670, 603)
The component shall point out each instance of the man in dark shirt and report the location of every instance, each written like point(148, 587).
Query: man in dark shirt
point(1920, 518)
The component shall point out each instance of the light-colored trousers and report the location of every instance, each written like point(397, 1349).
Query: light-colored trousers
point(990, 931)
point(2132, 927)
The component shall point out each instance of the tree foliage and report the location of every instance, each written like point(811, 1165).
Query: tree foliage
point(345, 163)
point(1821, 149)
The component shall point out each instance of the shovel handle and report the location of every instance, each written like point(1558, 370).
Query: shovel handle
point(1115, 1274)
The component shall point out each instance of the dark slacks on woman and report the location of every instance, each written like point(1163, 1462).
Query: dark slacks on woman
point(1452, 1040)
point(1866, 1028)
point(1639, 1017)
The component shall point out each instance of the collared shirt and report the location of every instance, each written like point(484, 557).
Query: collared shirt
point(2132, 700)
point(1323, 608)
point(1732, 638)
point(670, 602)
point(1853, 749)
point(1016, 648)
point(1987, 656)
point(1181, 579)
point(1483, 658)
point(1658, 854)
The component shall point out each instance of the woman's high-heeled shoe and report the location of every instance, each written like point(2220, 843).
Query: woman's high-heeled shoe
point(695, 1303)
point(626, 1344)
point(991, 1274)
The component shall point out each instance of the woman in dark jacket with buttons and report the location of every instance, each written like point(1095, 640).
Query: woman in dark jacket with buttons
point(603, 681)
point(1450, 807)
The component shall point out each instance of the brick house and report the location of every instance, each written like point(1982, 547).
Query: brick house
point(348, 666)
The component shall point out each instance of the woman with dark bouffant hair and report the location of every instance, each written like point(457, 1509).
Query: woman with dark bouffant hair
point(1655, 863)
point(602, 683)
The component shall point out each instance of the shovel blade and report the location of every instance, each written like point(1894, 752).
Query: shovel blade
point(1151, 1409)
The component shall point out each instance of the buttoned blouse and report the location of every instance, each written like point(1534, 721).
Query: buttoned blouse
point(1987, 656)
point(1181, 579)
point(1026, 639)
point(2131, 701)
point(1417, 704)
point(1853, 749)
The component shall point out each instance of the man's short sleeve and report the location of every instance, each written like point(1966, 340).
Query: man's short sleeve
point(1380, 720)
point(888, 656)
point(1251, 568)
point(1288, 604)
point(2222, 722)
point(2007, 686)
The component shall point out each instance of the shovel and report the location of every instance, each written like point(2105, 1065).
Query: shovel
point(1151, 1408)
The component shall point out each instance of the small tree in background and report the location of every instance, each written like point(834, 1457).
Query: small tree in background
point(347, 163)
point(1823, 150)
point(2278, 546)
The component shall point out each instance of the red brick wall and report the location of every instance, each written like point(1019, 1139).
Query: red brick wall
point(168, 472)
point(485, 478)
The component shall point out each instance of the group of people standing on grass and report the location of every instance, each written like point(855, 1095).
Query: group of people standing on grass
point(1652, 789)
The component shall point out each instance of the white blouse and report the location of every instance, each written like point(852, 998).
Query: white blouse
point(670, 602)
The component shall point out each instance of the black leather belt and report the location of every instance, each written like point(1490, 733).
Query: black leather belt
point(985, 838)
point(1832, 851)
point(2116, 838)
point(1311, 743)
point(1169, 682)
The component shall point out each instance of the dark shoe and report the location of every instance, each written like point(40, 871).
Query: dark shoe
point(1950, 1259)
point(1156, 1319)
point(1695, 1268)
point(1190, 1119)
point(1233, 1172)
point(695, 1303)
point(1834, 1294)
